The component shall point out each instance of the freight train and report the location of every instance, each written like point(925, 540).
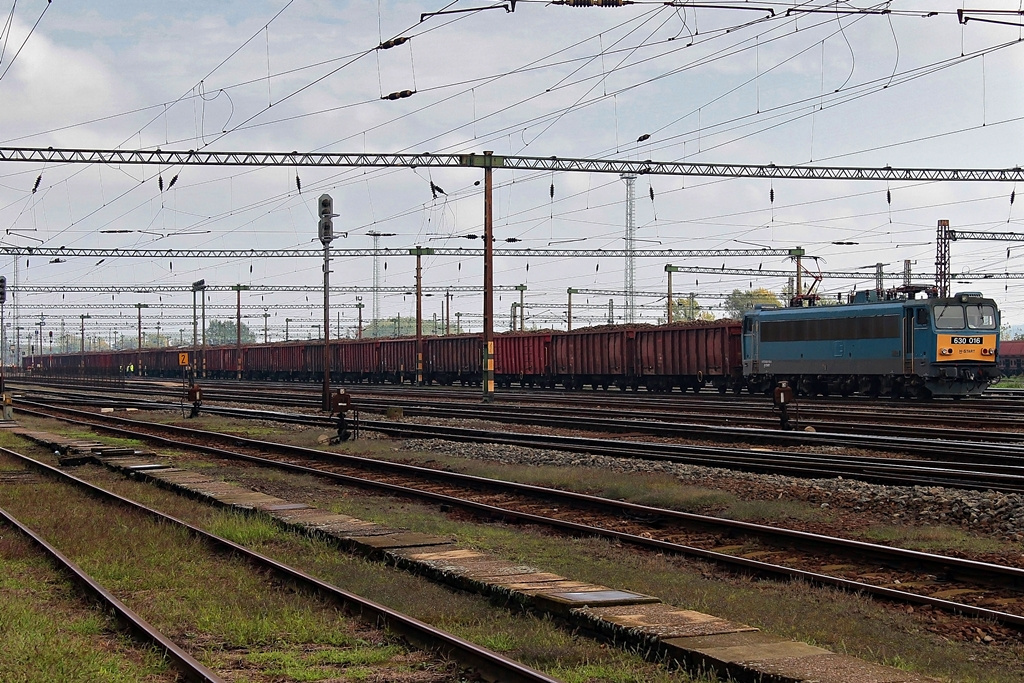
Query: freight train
point(1011, 357)
point(888, 343)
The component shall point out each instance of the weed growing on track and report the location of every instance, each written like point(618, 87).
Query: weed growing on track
point(215, 605)
point(50, 634)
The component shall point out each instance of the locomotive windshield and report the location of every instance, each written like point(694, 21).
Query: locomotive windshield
point(959, 317)
point(981, 317)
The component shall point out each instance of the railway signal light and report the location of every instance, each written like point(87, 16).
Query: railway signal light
point(3, 289)
point(325, 228)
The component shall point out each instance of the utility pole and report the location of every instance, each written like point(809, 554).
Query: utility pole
point(286, 321)
point(265, 316)
point(568, 316)
point(83, 316)
point(138, 350)
point(197, 286)
point(359, 308)
point(522, 316)
point(204, 332)
point(448, 312)
point(488, 335)
point(669, 268)
point(238, 328)
point(419, 252)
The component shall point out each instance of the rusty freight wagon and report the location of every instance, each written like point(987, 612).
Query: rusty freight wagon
point(523, 357)
point(447, 360)
point(600, 357)
point(688, 356)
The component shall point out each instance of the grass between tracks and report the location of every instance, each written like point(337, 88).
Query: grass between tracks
point(50, 634)
point(233, 624)
point(844, 623)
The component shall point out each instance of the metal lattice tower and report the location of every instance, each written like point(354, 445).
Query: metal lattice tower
point(942, 258)
point(629, 284)
point(376, 274)
point(906, 272)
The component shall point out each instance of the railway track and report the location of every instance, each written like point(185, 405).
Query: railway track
point(993, 463)
point(129, 620)
point(491, 665)
point(795, 554)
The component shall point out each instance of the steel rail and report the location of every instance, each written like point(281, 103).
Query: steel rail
point(491, 664)
point(1001, 477)
point(143, 631)
point(997, 573)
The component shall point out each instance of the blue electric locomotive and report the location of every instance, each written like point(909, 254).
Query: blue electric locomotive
point(888, 343)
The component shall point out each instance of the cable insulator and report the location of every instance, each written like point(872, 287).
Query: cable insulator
point(173, 180)
point(401, 94)
point(394, 42)
point(298, 183)
point(650, 188)
point(888, 196)
point(39, 179)
point(645, 136)
point(1013, 195)
point(160, 182)
point(551, 190)
point(512, 239)
point(594, 3)
point(771, 195)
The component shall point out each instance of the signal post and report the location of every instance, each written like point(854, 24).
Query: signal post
point(325, 231)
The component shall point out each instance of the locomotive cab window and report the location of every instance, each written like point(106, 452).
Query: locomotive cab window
point(949, 317)
point(922, 316)
point(981, 317)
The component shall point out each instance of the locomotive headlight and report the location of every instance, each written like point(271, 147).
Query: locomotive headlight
point(946, 352)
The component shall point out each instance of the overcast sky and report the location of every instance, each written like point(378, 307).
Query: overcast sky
point(707, 85)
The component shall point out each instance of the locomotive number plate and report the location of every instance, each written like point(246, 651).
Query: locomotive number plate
point(966, 340)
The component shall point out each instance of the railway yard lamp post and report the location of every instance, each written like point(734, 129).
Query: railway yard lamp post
point(669, 268)
point(458, 322)
point(286, 321)
point(419, 252)
point(265, 316)
point(568, 313)
point(359, 309)
point(138, 369)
